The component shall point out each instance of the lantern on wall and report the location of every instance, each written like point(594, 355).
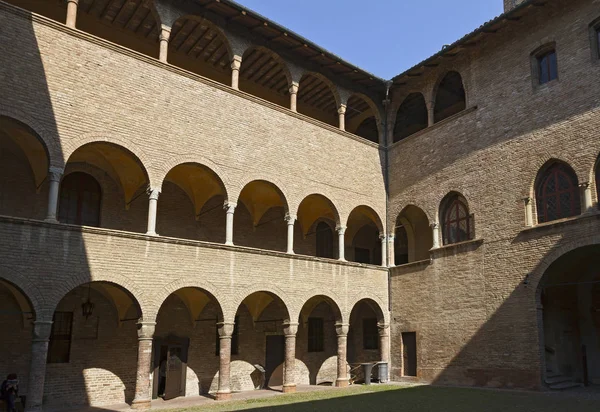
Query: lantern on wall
point(87, 307)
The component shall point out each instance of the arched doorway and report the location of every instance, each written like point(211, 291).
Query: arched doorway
point(570, 300)
point(367, 342)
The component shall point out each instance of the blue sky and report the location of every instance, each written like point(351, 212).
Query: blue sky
point(384, 37)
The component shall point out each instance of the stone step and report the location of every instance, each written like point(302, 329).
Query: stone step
point(565, 385)
point(551, 380)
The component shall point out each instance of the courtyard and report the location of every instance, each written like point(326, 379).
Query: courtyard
point(413, 398)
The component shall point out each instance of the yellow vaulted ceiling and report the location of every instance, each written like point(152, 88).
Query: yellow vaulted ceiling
point(121, 166)
point(118, 297)
point(195, 300)
point(312, 208)
point(257, 303)
point(198, 182)
point(32, 147)
point(258, 197)
point(360, 217)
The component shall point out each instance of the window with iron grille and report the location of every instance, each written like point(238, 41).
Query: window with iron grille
point(59, 347)
point(370, 334)
point(557, 194)
point(457, 222)
point(79, 200)
point(316, 336)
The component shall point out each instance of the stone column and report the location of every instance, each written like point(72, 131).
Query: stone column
point(290, 219)
point(528, 211)
point(54, 177)
point(341, 230)
point(225, 333)
point(294, 96)
point(143, 396)
point(586, 196)
point(384, 345)
point(236, 64)
point(165, 35)
point(72, 13)
point(430, 114)
point(342, 113)
point(342, 362)
point(435, 228)
point(37, 365)
point(391, 251)
point(229, 209)
point(289, 369)
point(152, 208)
point(383, 239)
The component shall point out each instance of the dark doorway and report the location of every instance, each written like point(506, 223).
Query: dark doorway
point(170, 367)
point(275, 354)
point(409, 353)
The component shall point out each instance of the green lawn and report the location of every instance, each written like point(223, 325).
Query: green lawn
point(416, 398)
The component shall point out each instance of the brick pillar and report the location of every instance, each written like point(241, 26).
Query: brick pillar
point(143, 396)
point(341, 230)
point(528, 211)
point(294, 96)
point(230, 210)
point(384, 345)
point(37, 366)
point(165, 35)
point(586, 197)
point(342, 116)
point(54, 177)
point(225, 333)
point(152, 208)
point(391, 251)
point(236, 64)
point(342, 361)
point(383, 239)
point(72, 13)
point(289, 368)
point(435, 228)
point(290, 219)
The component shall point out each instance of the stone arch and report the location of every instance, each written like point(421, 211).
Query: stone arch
point(411, 116)
point(375, 302)
point(248, 182)
point(50, 140)
point(450, 96)
point(330, 298)
point(29, 290)
point(369, 212)
point(361, 115)
point(396, 209)
point(265, 74)
point(538, 167)
point(551, 163)
point(317, 96)
point(288, 303)
point(159, 174)
point(157, 300)
point(414, 224)
point(323, 202)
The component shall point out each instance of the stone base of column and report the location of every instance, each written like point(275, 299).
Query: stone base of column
point(143, 404)
point(223, 396)
point(342, 383)
point(50, 220)
point(289, 388)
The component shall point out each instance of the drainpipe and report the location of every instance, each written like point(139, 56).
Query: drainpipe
point(386, 102)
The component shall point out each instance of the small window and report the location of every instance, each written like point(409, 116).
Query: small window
point(545, 64)
point(457, 222)
point(316, 337)
point(59, 347)
point(370, 334)
point(557, 194)
point(235, 339)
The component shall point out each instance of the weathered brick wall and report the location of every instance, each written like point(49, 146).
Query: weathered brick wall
point(476, 321)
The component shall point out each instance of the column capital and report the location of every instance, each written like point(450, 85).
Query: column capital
point(290, 219)
point(435, 225)
point(383, 329)
point(290, 329)
point(55, 174)
point(165, 33)
point(342, 109)
point(225, 329)
point(153, 193)
point(584, 185)
point(146, 330)
point(294, 87)
point(229, 207)
point(236, 62)
point(391, 237)
point(527, 200)
point(341, 329)
point(76, 2)
point(340, 230)
point(383, 237)
point(41, 331)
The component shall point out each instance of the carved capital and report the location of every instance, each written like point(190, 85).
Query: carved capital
point(55, 174)
point(342, 109)
point(584, 185)
point(153, 193)
point(146, 330)
point(290, 219)
point(236, 63)
point(294, 88)
point(41, 331)
point(229, 207)
point(341, 329)
point(435, 225)
point(290, 329)
point(225, 329)
point(383, 237)
point(75, 2)
point(383, 329)
point(527, 200)
point(340, 230)
point(165, 33)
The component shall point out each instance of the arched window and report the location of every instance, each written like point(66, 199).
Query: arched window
point(401, 246)
point(457, 223)
point(450, 98)
point(411, 116)
point(324, 240)
point(557, 194)
point(79, 200)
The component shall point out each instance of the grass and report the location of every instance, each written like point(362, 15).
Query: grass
point(386, 398)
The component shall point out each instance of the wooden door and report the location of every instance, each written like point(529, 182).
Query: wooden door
point(409, 353)
point(275, 354)
point(174, 372)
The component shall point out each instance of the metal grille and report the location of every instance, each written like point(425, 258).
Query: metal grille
point(458, 223)
point(557, 194)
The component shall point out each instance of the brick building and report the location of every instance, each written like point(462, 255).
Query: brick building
point(191, 193)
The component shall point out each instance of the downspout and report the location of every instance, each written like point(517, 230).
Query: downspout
point(388, 86)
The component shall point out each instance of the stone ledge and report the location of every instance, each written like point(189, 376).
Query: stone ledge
point(409, 267)
point(456, 248)
point(178, 241)
point(174, 69)
point(434, 126)
point(548, 228)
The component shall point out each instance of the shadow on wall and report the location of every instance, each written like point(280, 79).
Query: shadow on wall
point(505, 349)
point(44, 280)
